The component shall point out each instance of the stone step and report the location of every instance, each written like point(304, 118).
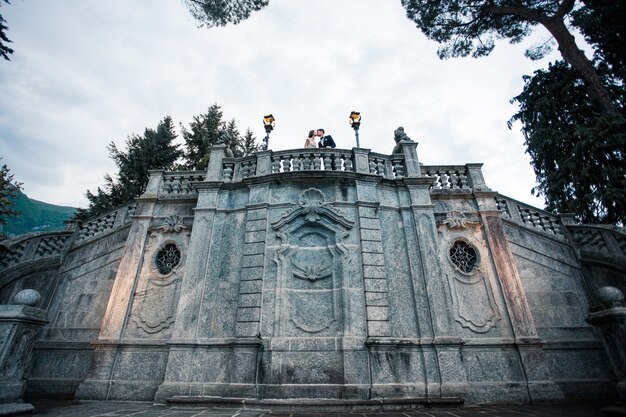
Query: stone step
point(319, 404)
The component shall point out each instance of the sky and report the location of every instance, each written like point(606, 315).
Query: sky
point(89, 72)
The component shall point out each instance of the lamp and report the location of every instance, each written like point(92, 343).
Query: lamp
point(355, 122)
point(268, 122)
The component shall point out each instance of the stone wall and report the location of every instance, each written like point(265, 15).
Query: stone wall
point(319, 274)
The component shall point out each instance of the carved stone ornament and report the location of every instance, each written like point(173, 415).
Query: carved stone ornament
point(313, 207)
point(313, 265)
point(174, 223)
point(457, 220)
point(312, 273)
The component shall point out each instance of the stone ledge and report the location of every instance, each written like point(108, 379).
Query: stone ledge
point(14, 409)
point(321, 404)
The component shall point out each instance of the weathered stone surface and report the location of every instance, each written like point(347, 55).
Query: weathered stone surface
point(326, 274)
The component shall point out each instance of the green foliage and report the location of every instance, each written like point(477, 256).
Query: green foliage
point(9, 190)
point(36, 216)
point(471, 27)
point(211, 13)
point(209, 129)
point(602, 23)
point(578, 154)
point(204, 132)
point(153, 150)
point(249, 144)
point(5, 51)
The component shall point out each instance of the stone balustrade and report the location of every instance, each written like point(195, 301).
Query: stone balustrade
point(393, 167)
point(601, 239)
point(33, 247)
point(448, 177)
point(180, 184)
point(104, 223)
point(530, 217)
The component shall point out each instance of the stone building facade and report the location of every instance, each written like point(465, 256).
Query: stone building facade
point(343, 275)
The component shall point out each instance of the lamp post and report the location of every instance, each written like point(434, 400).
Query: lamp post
point(269, 122)
point(355, 122)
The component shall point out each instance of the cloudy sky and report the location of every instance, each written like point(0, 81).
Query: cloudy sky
point(88, 72)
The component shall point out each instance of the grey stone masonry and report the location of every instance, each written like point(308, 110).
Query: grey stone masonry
point(323, 276)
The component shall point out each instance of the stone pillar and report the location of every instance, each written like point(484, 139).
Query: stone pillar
point(445, 372)
point(529, 345)
point(411, 162)
point(19, 324)
point(361, 162)
point(610, 320)
point(185, 348)
point(214, 170)
point(97, 384)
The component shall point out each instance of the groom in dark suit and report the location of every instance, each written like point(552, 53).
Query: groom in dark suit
point(325, 141)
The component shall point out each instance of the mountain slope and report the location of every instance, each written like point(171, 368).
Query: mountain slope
point(36, 216)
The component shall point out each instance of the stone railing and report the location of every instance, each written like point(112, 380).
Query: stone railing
point(530, 217)
point(464, 178)
point(448, 177)
point(236, 169)
point(104, 223)
point(180, 184)
point(33, 247)
point(445, 178)
point(606, 240)
point(37, 246)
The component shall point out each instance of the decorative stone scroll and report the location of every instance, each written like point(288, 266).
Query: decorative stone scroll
point(455, 219)
point(174, 223)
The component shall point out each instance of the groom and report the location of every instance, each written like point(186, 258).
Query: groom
point(325, 141)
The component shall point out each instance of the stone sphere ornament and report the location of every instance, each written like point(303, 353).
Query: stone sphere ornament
point(28, 297)
point(610, 296)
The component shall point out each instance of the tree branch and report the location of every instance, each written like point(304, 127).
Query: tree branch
point(564, 8)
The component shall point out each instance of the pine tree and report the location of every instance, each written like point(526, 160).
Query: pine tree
point(204, 132)
point(154, 150)
point(9, 190)
point(5, 51)
point(249, 144)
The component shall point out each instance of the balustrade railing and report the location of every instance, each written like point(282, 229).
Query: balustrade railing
point(529, 216)
point(455, 177)
point(180, 184)
point(104, 223)
point(605, 239)
point(448, 177)
point(33, 246)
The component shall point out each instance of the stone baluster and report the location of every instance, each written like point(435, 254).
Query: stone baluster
point(347, 164)
point(372, 166)
point(276, 164)
point(380, 167)
point(327, 162)
point(337, 163)
point(317, 162)
point(307, 161)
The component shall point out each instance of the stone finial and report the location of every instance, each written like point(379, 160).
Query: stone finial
point(28, 297)
point(610, 296)
point(399, 136)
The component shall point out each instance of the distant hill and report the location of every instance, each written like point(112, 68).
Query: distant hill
point(36, 216)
